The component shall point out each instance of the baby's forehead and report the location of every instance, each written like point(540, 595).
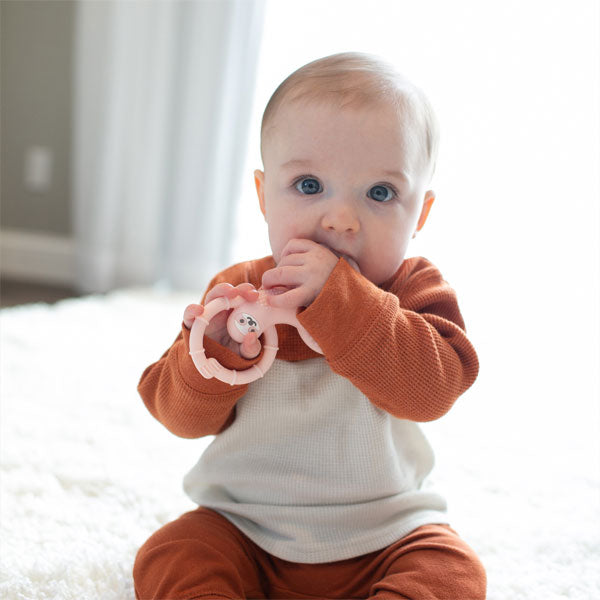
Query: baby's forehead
point(305, 111)
point(356, 142)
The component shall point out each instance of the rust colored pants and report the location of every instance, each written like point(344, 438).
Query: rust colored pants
point(202, 555)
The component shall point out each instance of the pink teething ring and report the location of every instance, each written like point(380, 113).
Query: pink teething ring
point(245, 317)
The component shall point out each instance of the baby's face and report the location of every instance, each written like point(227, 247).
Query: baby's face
point(348, 179)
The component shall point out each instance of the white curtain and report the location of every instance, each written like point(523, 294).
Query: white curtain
point(163, 97)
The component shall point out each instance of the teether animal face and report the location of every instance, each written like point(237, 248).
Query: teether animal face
point(246, 323)
point(247, 318)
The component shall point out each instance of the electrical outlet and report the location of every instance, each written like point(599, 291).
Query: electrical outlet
point(38, 169)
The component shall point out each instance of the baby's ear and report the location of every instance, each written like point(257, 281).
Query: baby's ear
point(259, 181)
point(427, 204)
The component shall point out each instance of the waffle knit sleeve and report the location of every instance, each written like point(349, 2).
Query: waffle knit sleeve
point(175, 393)
point(403, 344)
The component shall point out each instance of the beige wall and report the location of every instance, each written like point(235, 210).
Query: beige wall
point(36, 101)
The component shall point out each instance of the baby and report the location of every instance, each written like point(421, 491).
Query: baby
point(315, 485)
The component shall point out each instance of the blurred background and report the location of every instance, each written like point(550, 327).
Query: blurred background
point(130, 131)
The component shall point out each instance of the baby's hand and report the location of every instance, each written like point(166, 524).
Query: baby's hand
point(190, 313)
point(303, 269)
point(217, 328)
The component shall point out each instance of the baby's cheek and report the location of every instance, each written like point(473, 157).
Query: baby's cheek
point(380, 267)
point(275, 248)
point(278, 238)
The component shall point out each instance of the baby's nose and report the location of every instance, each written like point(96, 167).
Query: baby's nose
point(340, 217)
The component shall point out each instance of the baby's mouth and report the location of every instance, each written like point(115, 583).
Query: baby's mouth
point(347, 258)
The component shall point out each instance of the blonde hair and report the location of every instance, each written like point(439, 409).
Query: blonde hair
point(356, 80)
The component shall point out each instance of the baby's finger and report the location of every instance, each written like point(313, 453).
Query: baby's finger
point(295, 259)
point(190, 313)
point(220, 290)
point(288, 276)
point(250, 346)
point(297, 246)
point(247, 291)
point(293, 298)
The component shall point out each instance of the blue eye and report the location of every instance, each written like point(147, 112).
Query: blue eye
point(308, 186)
point(381, 193)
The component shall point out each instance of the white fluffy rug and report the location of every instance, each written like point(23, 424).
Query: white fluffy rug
point(87, 474)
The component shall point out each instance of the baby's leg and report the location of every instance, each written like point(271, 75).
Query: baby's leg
point(200, 555)
point(431, 563)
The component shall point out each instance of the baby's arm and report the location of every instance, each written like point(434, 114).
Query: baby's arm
point(180, 398)
point(406, 349)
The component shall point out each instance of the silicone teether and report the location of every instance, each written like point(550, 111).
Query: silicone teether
point(246, 317)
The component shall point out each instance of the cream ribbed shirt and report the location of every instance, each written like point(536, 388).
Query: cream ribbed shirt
point(311, 471)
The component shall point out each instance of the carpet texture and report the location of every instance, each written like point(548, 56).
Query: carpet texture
point(87, 474)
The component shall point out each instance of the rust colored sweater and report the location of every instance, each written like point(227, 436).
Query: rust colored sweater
point(322, 459)
point(402, 344)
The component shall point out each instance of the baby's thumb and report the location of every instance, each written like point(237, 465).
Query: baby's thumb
point(190, 313)
point(250, 346)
